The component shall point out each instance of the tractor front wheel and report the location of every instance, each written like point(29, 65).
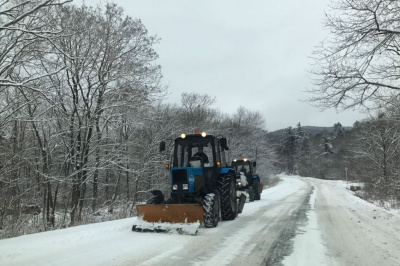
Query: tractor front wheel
point(211, 209)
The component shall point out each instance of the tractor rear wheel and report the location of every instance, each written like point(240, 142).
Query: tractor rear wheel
point(211, 209)
point(227, 190)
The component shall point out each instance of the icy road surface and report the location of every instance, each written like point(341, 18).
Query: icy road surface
point(301, 221)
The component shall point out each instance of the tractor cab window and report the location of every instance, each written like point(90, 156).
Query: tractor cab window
point(243, 168)
point(190, 153)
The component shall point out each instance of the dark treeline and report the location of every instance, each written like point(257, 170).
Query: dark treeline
point(81, 117)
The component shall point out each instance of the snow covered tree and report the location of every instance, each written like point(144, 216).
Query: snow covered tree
point(109, 74)
point(302, 145)
point(326, 144)
point(72, 123)
point(24, 36)
point(296, 149)
point(197, 111)
point(358, 64)
point(289, 149)
point(302, 151)
point(338, 130)
point(247, 137)
point(378, 144)
point(244, 131)
point(22, 31)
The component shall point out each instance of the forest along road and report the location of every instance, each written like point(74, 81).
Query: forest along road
point(300, 221)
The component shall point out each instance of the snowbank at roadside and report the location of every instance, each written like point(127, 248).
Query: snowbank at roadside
point(358, 196)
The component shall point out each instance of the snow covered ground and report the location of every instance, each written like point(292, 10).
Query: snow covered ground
point(301, 221)
point(354, 231)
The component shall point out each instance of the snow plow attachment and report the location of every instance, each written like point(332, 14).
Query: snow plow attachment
point(169, 218)
point(171, 213)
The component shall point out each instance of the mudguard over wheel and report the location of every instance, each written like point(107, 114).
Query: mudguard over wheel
point(227, 190)
point(211, 209)
point(257, 189)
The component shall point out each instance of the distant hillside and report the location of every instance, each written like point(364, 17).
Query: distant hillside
point(311, 130)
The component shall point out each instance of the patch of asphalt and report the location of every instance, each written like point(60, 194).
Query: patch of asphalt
point(288, 228)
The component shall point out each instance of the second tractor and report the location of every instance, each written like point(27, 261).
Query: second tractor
point(246, 178)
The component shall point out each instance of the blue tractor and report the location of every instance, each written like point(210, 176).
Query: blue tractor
point(203, 186)
point(246, 178)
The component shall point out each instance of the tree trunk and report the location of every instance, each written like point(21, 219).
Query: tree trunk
point(96, 171)
point(128, 195)
point(116, 192)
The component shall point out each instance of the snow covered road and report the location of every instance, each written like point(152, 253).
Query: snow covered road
point(301, 221)
point(355, 232)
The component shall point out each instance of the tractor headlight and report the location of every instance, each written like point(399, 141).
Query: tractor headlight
point(185, 186)
point(183, 136)
point(174, 187)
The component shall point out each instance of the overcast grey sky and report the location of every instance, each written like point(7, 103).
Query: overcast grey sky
point(253, 53)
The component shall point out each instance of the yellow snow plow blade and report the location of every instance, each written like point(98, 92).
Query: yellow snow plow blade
point(171, 213)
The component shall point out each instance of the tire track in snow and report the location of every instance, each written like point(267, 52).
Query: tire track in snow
point(273, 240)
point(286, 228)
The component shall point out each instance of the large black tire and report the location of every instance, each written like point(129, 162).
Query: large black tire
point(157, 198)
point(257, 191)
point(227, 190)
point(252, 193)
point(211, 209)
